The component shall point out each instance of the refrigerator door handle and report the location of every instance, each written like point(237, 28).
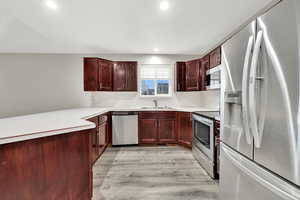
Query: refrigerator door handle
point(256, 132)
point(282, 81)
point(245, 105)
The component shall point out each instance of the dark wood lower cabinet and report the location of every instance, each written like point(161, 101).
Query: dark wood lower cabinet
point(60, 167)
point(185, 129)
point(157, 127)
point(148, 131)
point(100, 135)
point(166, 131)
point(94, 138)
point(103, 133)
point(56, 167)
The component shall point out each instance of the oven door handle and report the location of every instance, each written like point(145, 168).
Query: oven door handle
point(202, 120)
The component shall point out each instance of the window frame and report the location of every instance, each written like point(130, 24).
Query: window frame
point(171, 76)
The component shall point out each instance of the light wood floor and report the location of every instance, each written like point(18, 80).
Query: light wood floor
point(150, 173)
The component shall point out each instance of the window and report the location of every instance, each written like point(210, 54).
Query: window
point(155, 80)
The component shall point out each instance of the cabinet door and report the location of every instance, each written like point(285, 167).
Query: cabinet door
point(148, 131)
point(109, 129)
point(180, 76)
point(102, 137)
point(167, 131)
point(119, 75)
point(204, 68)
point(105, 75)
point(215, 57)
point(185, 128)
point(192, 75)
point(94, 138)
point(131, 76)
point(125, 76)
point(54, 167)
point(90, 74)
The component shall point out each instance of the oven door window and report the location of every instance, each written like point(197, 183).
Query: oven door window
point(202, 133)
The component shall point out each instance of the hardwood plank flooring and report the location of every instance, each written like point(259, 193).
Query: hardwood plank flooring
point(150, 173)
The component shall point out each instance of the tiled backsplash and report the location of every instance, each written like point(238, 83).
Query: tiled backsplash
point(205, 99)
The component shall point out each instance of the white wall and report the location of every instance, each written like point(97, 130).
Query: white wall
point(32, 83)
point(38, 83)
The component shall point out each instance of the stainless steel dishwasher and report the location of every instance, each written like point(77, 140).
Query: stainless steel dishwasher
point(125, 128)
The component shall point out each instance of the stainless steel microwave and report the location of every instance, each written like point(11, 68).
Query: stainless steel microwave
point(213, 78)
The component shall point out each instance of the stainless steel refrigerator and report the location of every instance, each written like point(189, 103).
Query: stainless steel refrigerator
point(260, 148)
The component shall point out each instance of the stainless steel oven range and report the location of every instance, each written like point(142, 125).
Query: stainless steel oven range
point(203, 147)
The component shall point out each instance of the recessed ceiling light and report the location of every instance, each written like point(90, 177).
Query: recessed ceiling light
point(164, 5)
point(155, 49)
point(51, 4)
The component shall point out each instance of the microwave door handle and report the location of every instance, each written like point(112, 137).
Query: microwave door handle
point(245, 104)
point(252, 95)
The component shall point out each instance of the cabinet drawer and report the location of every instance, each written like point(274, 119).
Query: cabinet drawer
point(157, 115)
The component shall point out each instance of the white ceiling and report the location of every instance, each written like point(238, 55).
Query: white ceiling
point(120, 26)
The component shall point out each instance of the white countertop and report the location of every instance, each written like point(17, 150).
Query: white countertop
point(39, 125)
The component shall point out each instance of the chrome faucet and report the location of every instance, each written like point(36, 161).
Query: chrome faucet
point(155, 103)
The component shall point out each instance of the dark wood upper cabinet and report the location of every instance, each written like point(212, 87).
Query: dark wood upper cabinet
point(119, 77)
point(203, 69)
point(131, 76)
point(215, 57)
point(125, 76)
point(193, 75)
point(180, 76)
point(105, 76)
point(90, 74)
